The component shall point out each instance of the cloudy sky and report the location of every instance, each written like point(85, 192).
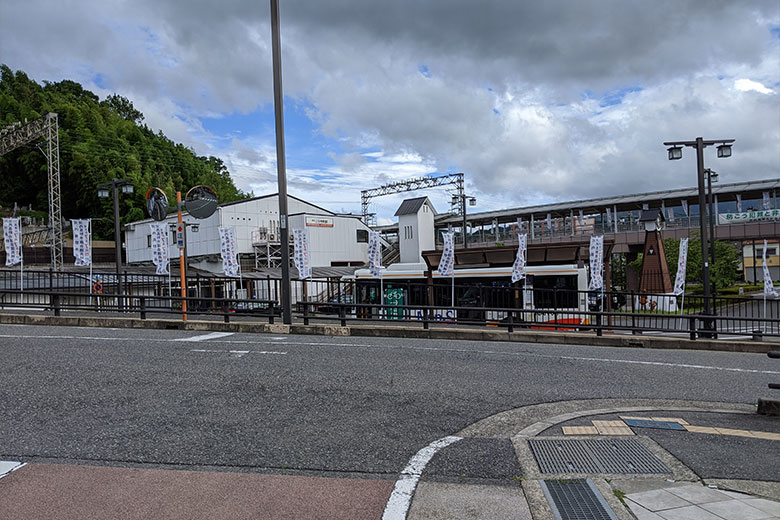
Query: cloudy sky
point(535, 101)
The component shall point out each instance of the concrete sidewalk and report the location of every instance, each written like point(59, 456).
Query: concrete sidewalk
point(725, 466)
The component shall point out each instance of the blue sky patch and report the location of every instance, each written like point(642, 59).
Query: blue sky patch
point(423, 69)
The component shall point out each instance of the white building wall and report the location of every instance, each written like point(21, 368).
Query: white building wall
point(337, 244)
point(328, 244)
point(416, 234)
point(408, 239)
point(425, 229)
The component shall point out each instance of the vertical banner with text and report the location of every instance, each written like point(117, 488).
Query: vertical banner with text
point(518, 268)
point(374, 254)
point(301, 253)
point(596, 263)
point(160, 257)
point(12, 234)
point(447, 262)
point(82, 242)
point(229, 251)
point(682, 265)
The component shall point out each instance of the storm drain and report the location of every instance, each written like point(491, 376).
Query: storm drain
point(577, 499)
point(600, 456)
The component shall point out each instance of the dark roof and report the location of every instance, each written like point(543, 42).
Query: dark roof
point(651, 215)
point(411, 206)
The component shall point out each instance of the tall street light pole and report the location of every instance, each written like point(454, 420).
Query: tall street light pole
point(281, 166)
point(127, 187)
point(675, 153)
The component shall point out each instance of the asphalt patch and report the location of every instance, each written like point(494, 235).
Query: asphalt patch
point(476, 459)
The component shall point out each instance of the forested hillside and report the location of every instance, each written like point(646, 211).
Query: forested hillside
point(99, 140)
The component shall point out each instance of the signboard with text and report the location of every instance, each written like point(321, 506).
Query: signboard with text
point(748, 216)
point(319, 222)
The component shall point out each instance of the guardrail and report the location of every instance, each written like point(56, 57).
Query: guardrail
point(342, 301)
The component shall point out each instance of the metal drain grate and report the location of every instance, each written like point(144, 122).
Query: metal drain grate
point(577, 499)
point(607, 456)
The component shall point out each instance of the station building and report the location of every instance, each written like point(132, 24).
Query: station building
point(337, 242)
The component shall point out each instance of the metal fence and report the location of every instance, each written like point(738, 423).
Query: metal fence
point(498, 305)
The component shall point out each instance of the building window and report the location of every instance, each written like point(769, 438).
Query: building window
point(148, 240)
point(362, 236)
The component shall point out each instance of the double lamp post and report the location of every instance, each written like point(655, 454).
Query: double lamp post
point(103, 192)
point(675, 153)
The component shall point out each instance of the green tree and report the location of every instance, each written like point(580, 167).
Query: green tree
point(724, 272)
point(99, 140)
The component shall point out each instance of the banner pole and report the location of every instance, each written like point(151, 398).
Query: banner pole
point(183, 273)
point(21, 254)
point(91, 282)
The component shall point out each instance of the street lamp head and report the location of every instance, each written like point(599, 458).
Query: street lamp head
point(675, 152)
point(102, 193)
point(472, 201)
point(724, 150)
point(127, 188)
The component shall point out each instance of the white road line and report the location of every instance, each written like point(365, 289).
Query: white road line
point(432, 349)
point(398, 505)
point(206, 337)
point(9, 466)
point(237, 353)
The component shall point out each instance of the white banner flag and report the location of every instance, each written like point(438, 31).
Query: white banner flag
point(447, 262)
point(82, 242)
point(596, 263)
point(518, 268)
point(12, 234)
point(645, 206)
point(374, 254)
point(549, 222)
point(767, 202)
point(685, 207)
point(229, 250)
point(682, 265)
point(769, 289)
point(301, 255)
point(609, 216)
point(160, 257)
point(739, 203)
point(581, 219)
point(670, 214)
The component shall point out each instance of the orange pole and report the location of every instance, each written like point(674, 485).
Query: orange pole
point(181, 262)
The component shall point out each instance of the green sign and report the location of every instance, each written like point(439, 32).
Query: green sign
point(394, 298)
point(748, 216)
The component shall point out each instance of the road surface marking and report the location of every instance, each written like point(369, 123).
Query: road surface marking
point(9, 466)
point(206, 337)
point(433, 349)
point(237, 353)
point(398, 504)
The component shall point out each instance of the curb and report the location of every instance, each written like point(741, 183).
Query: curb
point(553, 338)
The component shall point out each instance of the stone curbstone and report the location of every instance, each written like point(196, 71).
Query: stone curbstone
point(525, 336)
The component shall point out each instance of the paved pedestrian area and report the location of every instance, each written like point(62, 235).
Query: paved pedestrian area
point(696, 502)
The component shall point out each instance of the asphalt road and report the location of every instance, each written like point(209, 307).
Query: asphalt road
point(311, 404)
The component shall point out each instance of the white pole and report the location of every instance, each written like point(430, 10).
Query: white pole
point(453, 291)
point(381, 297)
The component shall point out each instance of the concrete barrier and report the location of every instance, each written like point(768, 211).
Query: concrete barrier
point(373, 330)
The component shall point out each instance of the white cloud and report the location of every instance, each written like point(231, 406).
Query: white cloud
point(746, 85)
point(535, 102)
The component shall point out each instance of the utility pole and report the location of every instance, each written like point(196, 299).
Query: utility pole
point(281, 166)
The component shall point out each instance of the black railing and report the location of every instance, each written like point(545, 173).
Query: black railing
point(500, 306)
